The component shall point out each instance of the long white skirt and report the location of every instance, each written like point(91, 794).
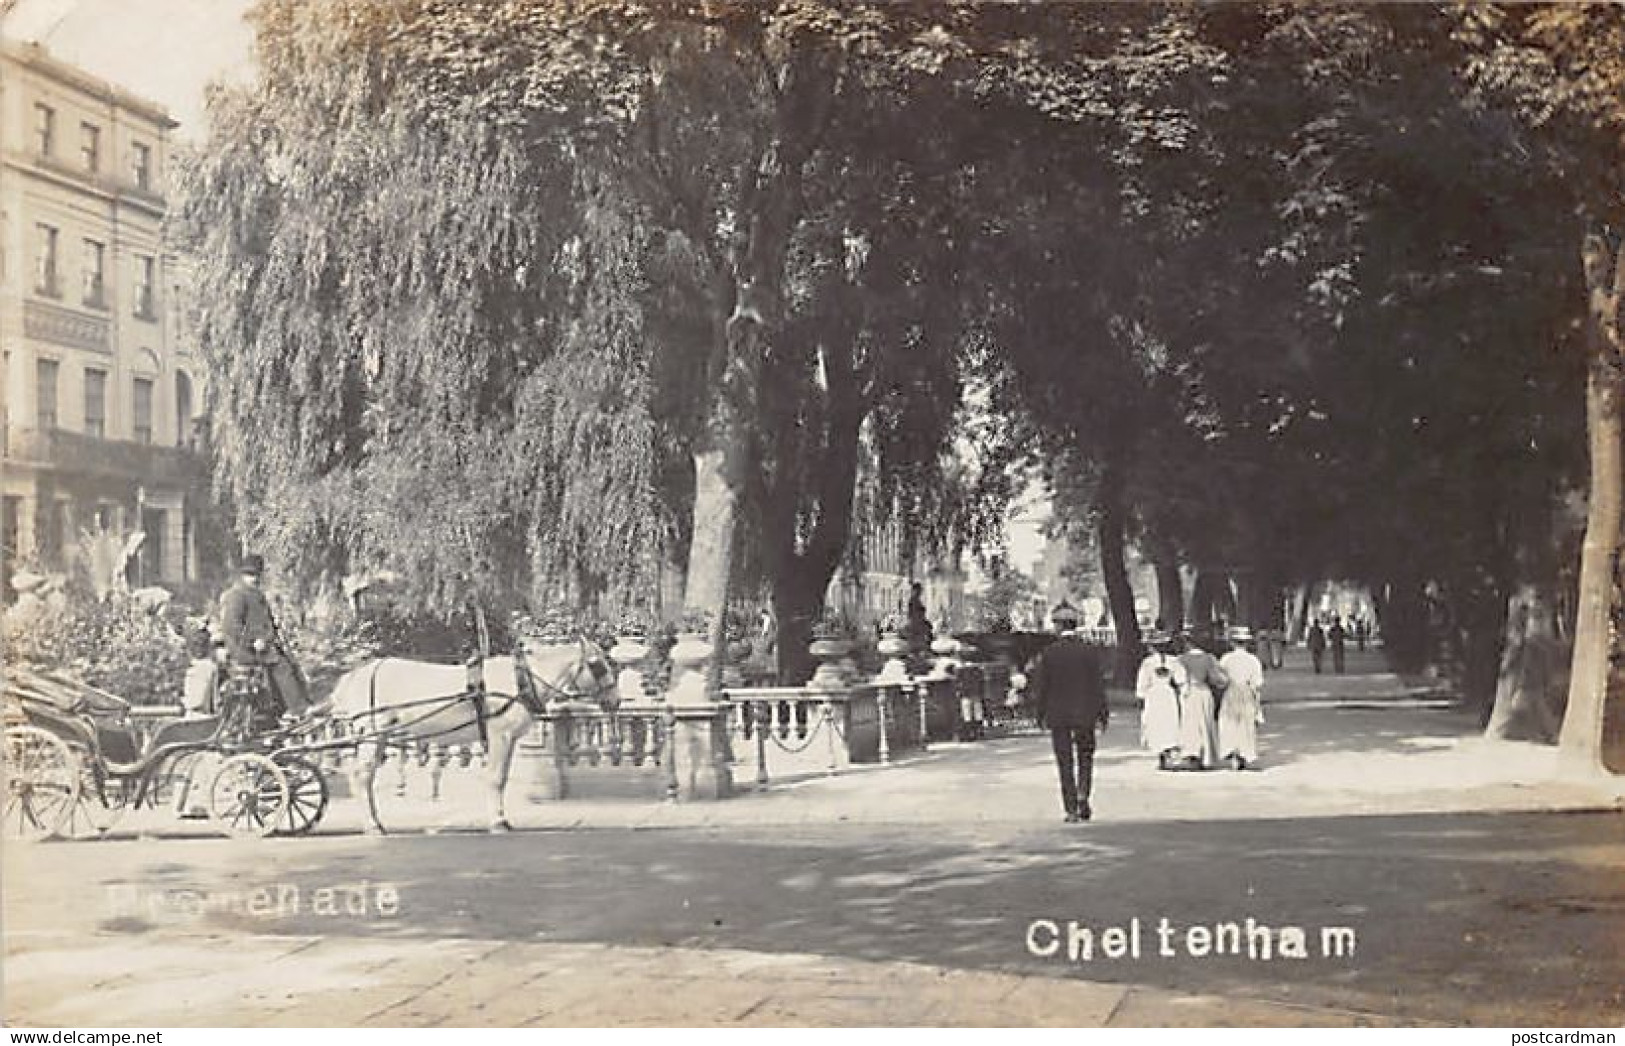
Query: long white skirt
point(1198, 733)
point(1238, 724)
point(1159, 721)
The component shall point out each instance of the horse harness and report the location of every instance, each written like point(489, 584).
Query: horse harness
point(478, 697)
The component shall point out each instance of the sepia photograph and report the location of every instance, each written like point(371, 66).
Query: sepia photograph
point(611, 514)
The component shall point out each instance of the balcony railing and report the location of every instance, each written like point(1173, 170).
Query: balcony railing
point(88, 455)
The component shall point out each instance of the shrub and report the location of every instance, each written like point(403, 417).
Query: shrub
point(113, 643)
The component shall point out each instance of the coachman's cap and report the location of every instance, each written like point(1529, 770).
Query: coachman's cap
point(252, 564)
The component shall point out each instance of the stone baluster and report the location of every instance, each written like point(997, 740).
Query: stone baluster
point(882, 708)
point(402, 757)
point(760, 711)
point(826, 714)
point(439, 756)
point(669, 719)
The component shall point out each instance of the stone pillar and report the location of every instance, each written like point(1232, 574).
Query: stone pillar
point(701, 752)
point(890, 682)
point(544, 757)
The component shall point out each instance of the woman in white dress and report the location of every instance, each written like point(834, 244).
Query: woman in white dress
point(1243, 707)
point(1159, 684)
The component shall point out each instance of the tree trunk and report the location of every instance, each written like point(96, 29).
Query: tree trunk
point(715, 512)
point(1529, 691)
point(1170, 593)
point(796, 604)
point(1580, 740)
point(1484, 637)
point(1211, 600)
point(1298, 625)
point(1405, 627)
point(1114, 568)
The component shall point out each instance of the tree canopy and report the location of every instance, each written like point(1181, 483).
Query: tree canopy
point(535, 301)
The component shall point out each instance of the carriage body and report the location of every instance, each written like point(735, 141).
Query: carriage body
point(75, 761)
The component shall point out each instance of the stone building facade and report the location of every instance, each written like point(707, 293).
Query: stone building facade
point(100, 395)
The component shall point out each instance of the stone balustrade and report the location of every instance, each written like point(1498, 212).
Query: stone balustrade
point(646, 750)
point(683, 745)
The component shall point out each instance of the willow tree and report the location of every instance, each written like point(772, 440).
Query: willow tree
point(411, 365)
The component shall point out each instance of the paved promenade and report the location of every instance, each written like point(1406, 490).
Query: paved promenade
point(1484, 888)
point(258, 981)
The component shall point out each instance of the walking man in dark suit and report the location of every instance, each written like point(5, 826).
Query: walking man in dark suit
point(1071, 701)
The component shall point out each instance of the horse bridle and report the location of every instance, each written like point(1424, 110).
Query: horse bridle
point(596, 664)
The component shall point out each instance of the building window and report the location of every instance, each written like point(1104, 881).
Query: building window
point(44, 128)
point(143, 410)
point(90, 147)
point(96, 403)
point(141, 165)
point(95, 273)
point(145, 306)
point(45, 269)
point(45, 394)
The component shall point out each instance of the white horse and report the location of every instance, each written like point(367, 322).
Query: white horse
point(394, 701)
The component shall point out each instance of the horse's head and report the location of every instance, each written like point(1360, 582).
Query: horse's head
point(578, 671)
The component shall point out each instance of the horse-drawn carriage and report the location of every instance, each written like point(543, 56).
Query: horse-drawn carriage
point(74, 758)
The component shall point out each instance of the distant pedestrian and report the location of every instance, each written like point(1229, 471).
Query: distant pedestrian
point(1317, 646)
point(1198, 724)
point(1070, 699)
point(1362, 632)
point(1243, 708)
point(1339, 637)
point(1159, 685)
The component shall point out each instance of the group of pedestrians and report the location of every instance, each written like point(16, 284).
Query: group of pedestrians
point(1335, 638)
point(1198, 711)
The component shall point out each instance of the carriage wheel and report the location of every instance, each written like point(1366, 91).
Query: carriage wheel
point(249, 796)
point(99, 807)
point(41, 784)
point(307, 795)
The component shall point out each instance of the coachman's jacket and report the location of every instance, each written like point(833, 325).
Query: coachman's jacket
point(245, 616)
